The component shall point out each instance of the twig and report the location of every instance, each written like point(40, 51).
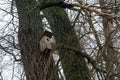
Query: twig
point(2, 48)
point(97, 12)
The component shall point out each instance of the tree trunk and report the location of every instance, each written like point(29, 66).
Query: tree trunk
point(36, 65)
point(73, 63)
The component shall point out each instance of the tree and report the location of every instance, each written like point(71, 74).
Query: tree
point(86, 38)
point(36, 65)
point(73, 63)
point(29, 35)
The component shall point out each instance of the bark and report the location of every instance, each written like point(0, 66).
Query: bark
point(73, 64)
point(37, 65)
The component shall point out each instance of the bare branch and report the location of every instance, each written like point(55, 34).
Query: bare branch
point(72, 6)
point(58, 4)
point(2, 48)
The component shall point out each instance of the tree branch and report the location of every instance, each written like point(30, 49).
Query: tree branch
point(63, 4)
point(58, 4)
point(97, 12)
point(2, 48)
point(85, 55)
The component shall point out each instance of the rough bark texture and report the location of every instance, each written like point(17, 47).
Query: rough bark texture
point(36, 64)
point(74, 65)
